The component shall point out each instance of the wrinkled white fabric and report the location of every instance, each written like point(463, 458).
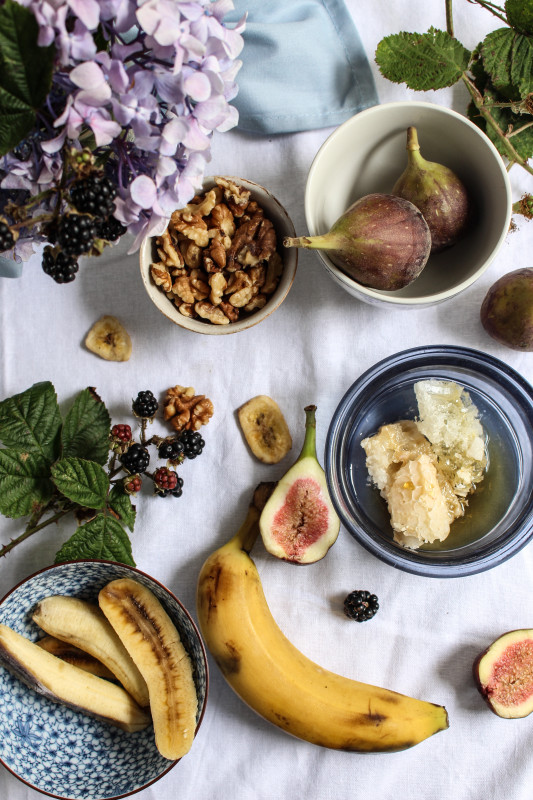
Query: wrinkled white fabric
point(428, 631)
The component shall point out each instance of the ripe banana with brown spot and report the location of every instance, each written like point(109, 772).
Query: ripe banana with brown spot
point(151, 639)
point(83, 624)
point(63, 683)
point(75, 656)
point(280, 683)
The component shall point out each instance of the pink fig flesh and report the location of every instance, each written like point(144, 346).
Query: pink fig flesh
point(381, 241)
point(504, 674)
point(298, 523)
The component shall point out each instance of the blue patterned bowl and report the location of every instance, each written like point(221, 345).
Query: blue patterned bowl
point(64, 753)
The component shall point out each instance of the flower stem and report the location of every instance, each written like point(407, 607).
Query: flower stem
point(449, 17)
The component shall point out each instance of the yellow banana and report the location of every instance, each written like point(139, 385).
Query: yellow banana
point(281, 684)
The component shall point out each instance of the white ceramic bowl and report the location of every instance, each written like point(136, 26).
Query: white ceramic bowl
point(367, 154)
point(283, 226)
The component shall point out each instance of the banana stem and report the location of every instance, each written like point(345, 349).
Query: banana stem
point(245, 537)
point(309, 445)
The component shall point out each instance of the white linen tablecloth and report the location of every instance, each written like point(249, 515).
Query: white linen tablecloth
point(428, 631)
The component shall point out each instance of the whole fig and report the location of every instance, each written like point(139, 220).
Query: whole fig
point(507, 310)
point(437, 192)
point(381, 241)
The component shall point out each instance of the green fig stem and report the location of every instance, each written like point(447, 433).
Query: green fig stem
point(309, 445)
point(326, 241)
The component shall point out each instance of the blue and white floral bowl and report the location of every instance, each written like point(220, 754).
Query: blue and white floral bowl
point(64, 753)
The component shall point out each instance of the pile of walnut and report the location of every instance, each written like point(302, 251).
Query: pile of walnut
point(186, 410)
point(218, 257)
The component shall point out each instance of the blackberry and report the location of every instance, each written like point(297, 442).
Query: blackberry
point(165, 478)
point(75, 234)
point(145, 404)
point(7, 240)
point(172, 450)
point(121, 432)
point(94, 195)
point(360, 605)
point(59, 266)
point(132, 484)
point(177, 492)
point(192, 442)
point(110, 229)
point(136, 458)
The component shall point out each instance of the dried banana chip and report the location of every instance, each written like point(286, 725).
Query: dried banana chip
point(109, 339)
point(265, 429)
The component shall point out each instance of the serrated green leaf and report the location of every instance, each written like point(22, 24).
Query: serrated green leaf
point(423, 61)
point(31, 421)
point(25, 485)
point(84, 482)
point(25, 73)
point(121, 504)
point(101, 537)
point(522, 64)
point(85, 431)
point(497, 55)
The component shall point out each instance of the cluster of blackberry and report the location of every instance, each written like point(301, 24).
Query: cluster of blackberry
point(92, 201)
point(135, 457)
point(360, 605)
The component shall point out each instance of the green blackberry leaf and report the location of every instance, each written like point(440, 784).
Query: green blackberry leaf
point(30, 421)
point(121, 504)
point(101, 537)
point(25, 73)
point(423, 61)
point(508, 60)
point(84, 482)
point(520, 15)
point(25, 485)
point(85, 432)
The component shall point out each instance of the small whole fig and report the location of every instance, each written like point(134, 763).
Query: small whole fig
point(437, 192)
point(507, 310)
point(381, 241)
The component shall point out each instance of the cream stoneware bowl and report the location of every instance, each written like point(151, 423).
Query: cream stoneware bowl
point(367, 154)
point(283, 227)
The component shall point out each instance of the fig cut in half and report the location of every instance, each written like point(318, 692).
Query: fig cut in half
point(504, 674)
point(298, 523)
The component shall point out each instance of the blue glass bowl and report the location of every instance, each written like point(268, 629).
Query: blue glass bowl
point(499, 518)
point(64, 753)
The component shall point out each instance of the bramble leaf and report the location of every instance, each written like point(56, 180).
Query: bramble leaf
point(121, 504)
point(522, 64)
point(25, 485)
point(84, 482)
point(85, 431)
point(25, 73)
point(497, 54)
point(30, 421)
point(423, 61)
point(101, 537)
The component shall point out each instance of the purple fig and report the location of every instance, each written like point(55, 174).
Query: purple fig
point(504, 674)
point(381, 241)
point(437, 192)
point(507, 310)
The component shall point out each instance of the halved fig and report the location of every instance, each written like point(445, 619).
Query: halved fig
point(298, 523)
point(504, 674)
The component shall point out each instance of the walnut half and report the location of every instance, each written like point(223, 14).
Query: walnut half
point(186, 410)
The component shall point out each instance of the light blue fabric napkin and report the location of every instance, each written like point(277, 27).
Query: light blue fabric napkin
point(9, 268)
point(303, 66)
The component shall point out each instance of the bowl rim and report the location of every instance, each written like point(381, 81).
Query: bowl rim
point(413, 561)
point(138, 571)
point(290, 261)
point(385, 297)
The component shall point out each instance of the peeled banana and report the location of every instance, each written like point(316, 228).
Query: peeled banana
point(283, 685)
point(75, 656)
point(151, 639)
point(109, 339)
point(265, 429)
point(63, 683)
point(84, 625)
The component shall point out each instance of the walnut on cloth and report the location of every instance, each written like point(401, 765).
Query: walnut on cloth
point(186, 410)
point(218, 258)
